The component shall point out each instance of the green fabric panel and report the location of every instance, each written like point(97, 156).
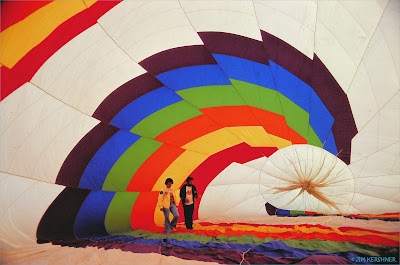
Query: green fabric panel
point(212, 96)
point(311, 244)
point(165, 118)
point(258, 96)
point(313, 138)
point(296, 212)
point(118, 217)
point(126, 166)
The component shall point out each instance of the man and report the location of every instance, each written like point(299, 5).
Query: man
point(187, 193)
point(168, 203)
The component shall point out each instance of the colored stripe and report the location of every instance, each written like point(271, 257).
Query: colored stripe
point(235, 45)
point(245, 70)
point(177, 58)
point(118, 217)
point(213, 142)
point(144, 106)
point(148, 173)
point(128, 163)
point(58, 221)
point(77, 160)
point(20, 38)
point(103, 161)
point(143, 211)
point(124, 95)
point(212, 96)
point(194, 76)
point(256, 136)
point(168, 117)
point(314, 73)
point(188, 130)
point(180, 169)
point(24, 70)
point(14, 11)
point(90, 219)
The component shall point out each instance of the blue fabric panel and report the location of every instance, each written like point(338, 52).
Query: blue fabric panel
point(194, 76)
point(291, 87)
point(320, 118)
point(281, 212)
point(330, 144)
point(144, 106)
point(97, 170)
point(245, 70)
point(91, 216)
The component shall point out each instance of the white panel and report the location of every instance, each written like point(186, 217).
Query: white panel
point(342, 35)
point(291, 21)
point(362, 98)
point(39, 134)
point(86, 70)
point(257, 163)
point(382, 187)
point(23, 203)
point(237, 17)
point(383, 162)
point(371, 205)
point(382, 131)
point(237, 188)
point(144, 28)
point(292, 171)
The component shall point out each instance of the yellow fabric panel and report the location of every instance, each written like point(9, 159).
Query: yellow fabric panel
point(213, 142)
point(18, 39)
point(256, 136)
point(89, 3)
point(180, 169)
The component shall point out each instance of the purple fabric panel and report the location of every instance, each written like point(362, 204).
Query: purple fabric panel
point(58, 221)
point(315, 73)
point(235, 45)
point(124, 95)
point(177, 58)
point(74, 165)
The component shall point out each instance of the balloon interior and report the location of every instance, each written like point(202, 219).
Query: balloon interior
point(285, 114)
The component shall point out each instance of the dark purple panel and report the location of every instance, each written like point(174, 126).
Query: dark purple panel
point(177, 58)
point(124, 95)
point(77, 160)
point(234, 45)
point(315, 73)
point(58, 221)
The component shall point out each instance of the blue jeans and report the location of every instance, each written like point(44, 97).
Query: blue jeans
point(168, 224)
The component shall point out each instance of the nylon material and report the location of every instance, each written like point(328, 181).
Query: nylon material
point(245, 8)
point(254, 136)
point(286, 28)
point(152, 126)
point(211, 143)
point(91, 67)
point(257, 163)
point(235, 22)
point(372, 205)
point(14, 37)
point(141, 107)
point(34, 134)
point(91, 217)
point(141, 39)
point(389, 127)
point(15, 229)
point(180, 169)
point(128, 163)
point(196, 76)
point(100, 165)
point(118, 217)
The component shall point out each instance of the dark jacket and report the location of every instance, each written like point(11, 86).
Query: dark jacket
point(182, 193)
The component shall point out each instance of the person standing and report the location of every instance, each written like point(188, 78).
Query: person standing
point(187, 193)
point(168, 203)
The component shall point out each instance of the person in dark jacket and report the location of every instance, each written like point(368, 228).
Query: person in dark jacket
point(187, 193)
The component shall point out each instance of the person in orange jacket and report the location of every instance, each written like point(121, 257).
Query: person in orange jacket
point(168, 203)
